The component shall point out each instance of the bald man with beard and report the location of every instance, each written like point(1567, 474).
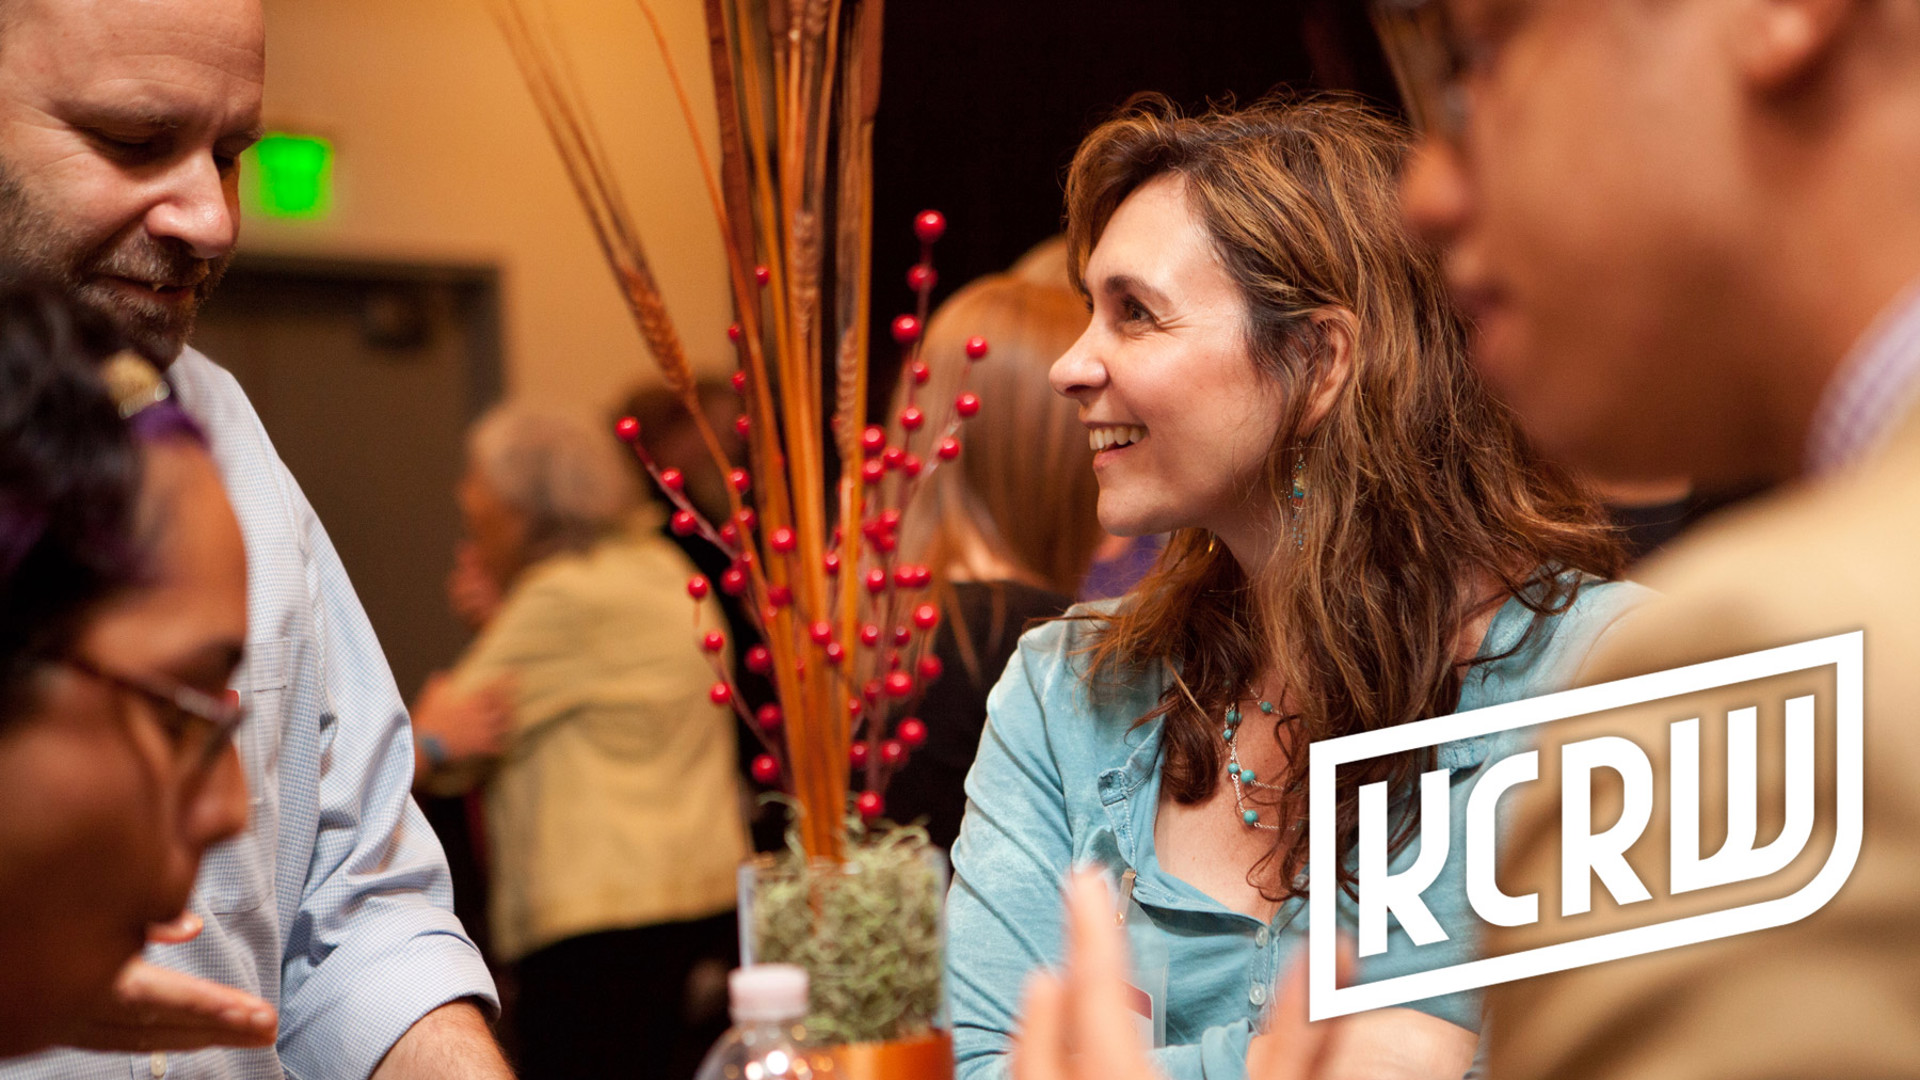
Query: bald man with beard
point(121, 127)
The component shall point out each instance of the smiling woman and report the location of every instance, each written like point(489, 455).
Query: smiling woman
point(1361, 538)
point(122, 610)
point(1181, 416)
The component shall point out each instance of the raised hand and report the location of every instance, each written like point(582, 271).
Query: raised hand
point(1079, 1028)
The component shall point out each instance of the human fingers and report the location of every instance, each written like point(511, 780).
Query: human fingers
point(1098, 963)
point(499, 691)
point(1099, 1018)
point(160, 1035)
point(1292, 1047)
point(181, 928)
point(1040, 1047)
point(174, 997)
point(493, 712)
point(153, 1008)
point(432, 693)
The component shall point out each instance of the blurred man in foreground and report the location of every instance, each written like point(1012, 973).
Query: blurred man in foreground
point(1689, 232)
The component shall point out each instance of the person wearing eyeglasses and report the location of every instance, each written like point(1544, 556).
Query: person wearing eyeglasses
point(1689, 232)
point(122, 617)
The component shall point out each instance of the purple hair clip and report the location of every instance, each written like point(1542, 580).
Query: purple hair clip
point(146, 402)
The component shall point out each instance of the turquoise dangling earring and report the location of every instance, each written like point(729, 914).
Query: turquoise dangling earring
point(1298, 500)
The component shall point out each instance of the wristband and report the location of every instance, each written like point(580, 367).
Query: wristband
point(434, 750)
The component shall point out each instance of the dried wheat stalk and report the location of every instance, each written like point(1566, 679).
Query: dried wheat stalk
point(796, 107)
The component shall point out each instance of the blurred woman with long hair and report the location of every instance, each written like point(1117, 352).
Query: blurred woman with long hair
point(1008, 528)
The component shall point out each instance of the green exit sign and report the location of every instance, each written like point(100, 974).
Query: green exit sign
point(292, 175)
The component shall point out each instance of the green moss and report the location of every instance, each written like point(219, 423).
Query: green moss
point(868, 932)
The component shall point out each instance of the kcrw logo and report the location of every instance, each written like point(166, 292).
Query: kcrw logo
point(1810, 696)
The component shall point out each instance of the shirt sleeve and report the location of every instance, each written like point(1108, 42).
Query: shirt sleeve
point(374, 945)
point(1004, 909)
point(534, 641)
point(537, 641)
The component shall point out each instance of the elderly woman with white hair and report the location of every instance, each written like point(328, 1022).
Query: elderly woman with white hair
point(613, 806)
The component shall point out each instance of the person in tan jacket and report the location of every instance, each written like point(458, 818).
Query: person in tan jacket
point(1690, 234)
point(614, 814)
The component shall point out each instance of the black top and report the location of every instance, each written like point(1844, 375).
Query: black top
point(766, 822)
point(1646, 529)
point(993, 616)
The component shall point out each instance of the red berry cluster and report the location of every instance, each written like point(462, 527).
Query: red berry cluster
point(880, 656)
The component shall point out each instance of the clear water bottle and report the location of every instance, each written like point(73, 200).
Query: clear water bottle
point(766, 1041)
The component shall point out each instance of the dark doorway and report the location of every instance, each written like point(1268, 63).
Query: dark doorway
point(366, 376)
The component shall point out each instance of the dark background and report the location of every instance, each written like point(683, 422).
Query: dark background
point(983, 103)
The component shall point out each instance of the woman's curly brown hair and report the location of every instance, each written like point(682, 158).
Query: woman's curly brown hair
point(1425, 503)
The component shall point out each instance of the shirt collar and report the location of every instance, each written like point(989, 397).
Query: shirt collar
point(1875, 387)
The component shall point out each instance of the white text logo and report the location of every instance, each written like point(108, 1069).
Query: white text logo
point(1591, 859)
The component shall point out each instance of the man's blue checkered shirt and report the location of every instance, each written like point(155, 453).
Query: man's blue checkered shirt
point(335, 904)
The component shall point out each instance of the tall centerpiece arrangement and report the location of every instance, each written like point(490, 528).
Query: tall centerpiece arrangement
point(846, 624)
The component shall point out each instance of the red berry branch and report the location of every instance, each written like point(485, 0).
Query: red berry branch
point(848, 633)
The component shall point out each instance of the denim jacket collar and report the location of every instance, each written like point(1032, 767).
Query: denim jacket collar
point(1130, 786)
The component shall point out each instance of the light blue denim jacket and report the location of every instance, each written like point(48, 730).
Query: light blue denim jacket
point(1061, 783)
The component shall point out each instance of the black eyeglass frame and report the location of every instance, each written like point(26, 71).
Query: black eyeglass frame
point(216, 717)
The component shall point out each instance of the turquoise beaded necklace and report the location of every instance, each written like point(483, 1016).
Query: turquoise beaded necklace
point(1244, 778)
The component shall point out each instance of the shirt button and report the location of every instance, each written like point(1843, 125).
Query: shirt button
point(1258, 995)
point(1260, 938)
point(157, 1065)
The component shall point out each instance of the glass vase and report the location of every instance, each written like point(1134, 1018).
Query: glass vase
point(871, 934)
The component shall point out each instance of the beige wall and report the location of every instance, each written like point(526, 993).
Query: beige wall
point(440, 156)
